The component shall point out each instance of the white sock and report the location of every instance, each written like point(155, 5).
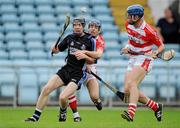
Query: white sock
point(38, 110)
point(76, 115)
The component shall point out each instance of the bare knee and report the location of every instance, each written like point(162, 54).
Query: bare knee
point(126, 89)
point(46, 90)
point(93, 89)
point(130, 85)
point(63, 97)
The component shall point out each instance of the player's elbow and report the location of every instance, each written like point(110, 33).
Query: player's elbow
point(99, 54)
point(163, 46)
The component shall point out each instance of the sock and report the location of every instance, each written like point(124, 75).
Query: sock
point(96, 101)
point(132, 109)
point(76, 114)
point(153, 105)
point(63, 110)
point(37, 114)
point(73, 103)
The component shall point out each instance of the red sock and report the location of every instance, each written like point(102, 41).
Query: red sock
point(73, 103)
point(151, 104)
point(132, 109)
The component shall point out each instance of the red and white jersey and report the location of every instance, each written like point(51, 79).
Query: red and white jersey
point(143, 38)
point(100, 43)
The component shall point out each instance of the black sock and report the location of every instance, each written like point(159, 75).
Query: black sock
point(74, 110)
point(63, 110)
point(37, 114)
point(96, 101)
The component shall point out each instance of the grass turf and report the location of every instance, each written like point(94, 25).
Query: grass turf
point(91, 118)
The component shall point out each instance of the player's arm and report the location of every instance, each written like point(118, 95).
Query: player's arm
point(159, 43)
point(54, 49)
point(88, 68)
point(125, 50)
point(94, 54)
point(100, 44)
point(159, 33)
point(80, 55)
point(61, 47)
point(90, 59)
point(160, 48)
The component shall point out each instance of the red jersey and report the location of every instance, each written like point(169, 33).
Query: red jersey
point(143, 38)
point(100, 43)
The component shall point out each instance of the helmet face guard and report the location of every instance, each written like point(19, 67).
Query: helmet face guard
point(135, 11)
point(95, 22)
point(80, 20)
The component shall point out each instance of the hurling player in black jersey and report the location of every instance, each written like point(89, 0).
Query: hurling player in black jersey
point(72, 75)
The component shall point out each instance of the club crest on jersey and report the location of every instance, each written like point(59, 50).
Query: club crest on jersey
point(74, 80)
point(83, 47)
point(135, 39)
point(72, 43)
point(78, 42)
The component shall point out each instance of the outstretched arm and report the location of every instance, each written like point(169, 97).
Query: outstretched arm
point(159, 33)
point(54, 49)
point(159, 43)
point(61, 46)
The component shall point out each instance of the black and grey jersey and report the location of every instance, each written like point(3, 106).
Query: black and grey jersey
point(74, 43)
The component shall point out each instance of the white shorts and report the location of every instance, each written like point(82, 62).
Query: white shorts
point(90, 76)
point(140, 60)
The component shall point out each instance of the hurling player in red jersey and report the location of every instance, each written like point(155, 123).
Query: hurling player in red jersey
point(94, 28)
point(141, 39)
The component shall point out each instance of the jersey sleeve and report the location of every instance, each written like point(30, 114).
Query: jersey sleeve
point(93, 44)
point(100, 43)
point(64, 44)
point(126, 25)
point(156, 39)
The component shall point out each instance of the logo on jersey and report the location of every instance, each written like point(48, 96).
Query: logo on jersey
point(135, 39)
point(83, 47)
point(140, 31)
point(74, 80)
point(78, 42)
point(72, 43)
point(72, 50)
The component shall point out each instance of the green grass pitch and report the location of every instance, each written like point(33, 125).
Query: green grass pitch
point(91, 118)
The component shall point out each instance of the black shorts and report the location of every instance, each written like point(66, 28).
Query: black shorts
point(69, 74)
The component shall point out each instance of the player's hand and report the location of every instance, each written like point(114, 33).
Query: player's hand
point(54, 49)
point(125, 50)
point(88, 68)
point(80, 55)
point(83, 51)
point(152, 54)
